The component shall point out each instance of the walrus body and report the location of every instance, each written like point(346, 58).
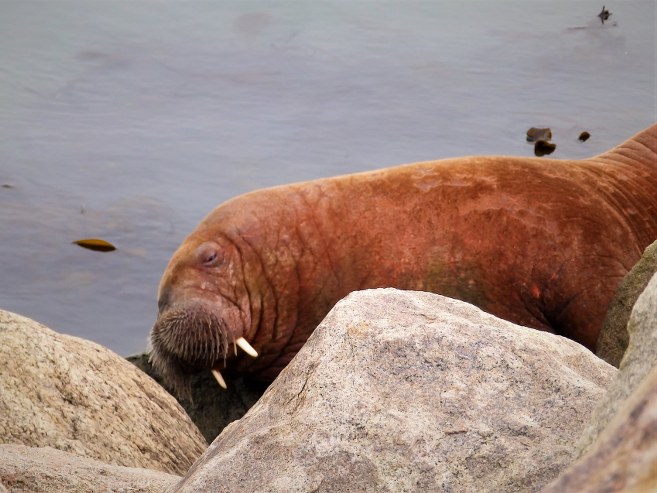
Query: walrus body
point(542, 243)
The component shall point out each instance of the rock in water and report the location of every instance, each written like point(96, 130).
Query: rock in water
point(74, 395)
point(411, 391)
point(534, 134)
point(544, 148)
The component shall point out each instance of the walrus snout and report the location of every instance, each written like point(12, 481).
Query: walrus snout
point(189, 338)
point(186, 339)
point(192, 333)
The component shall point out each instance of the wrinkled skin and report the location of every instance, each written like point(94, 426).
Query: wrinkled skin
point(542, 243)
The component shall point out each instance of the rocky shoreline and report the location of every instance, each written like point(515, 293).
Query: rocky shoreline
point(395, 391)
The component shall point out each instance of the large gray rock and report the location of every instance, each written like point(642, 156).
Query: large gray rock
point(35, 470)
point(74, 395)
point(639, 360)
point(614, 337)
point(624, 456)
point(409, 391)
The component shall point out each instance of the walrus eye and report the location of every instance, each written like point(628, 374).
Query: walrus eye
point(208, 255)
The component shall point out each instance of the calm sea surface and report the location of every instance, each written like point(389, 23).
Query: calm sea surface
point(130, 121)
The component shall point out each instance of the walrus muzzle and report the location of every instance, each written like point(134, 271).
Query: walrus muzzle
point(186, 339)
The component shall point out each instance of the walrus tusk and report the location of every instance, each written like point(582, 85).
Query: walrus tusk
point(248, 349)
point(220, 379)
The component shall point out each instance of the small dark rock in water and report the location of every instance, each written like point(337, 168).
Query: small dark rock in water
point(534, 134)
point(584, 136)
point(604, 14)
point(543, 147)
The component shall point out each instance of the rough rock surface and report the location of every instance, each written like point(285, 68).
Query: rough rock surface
point(410, 391)
point(74, 395)
point(614, 338)
point(211, 408)
point(639, 360)
point(44, 469)
point(624, 457)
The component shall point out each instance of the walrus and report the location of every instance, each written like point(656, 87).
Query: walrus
point(542, 243)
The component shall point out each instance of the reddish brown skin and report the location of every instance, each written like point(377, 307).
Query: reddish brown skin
point(542, 243)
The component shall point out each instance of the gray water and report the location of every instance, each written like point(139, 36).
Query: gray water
point(130, 121)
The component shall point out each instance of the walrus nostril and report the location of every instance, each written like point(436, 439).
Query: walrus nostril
point(164, 296)
point(163, 300)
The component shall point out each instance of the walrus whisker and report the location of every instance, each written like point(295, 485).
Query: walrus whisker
point(211, 344)
point(222, 339)
point(248, 349)
point(220, 380)
point(234, 345)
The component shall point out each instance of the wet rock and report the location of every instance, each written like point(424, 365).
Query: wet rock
point(638, 361)
point(614, 338)
point(211, 408)
point(584, 136)
point(74, 395)
point(534, 134)
point(43, 469)
point(544, 148)
point(411, 391)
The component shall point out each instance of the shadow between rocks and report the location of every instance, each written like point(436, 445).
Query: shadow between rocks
point(212, 408)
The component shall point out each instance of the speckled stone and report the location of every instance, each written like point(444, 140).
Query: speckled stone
point(411, 391)
point(74, 395)
point(44, 469)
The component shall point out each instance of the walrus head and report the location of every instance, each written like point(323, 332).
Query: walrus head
point(204, 312)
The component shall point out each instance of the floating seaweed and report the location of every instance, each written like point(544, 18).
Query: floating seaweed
point(96, 245)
